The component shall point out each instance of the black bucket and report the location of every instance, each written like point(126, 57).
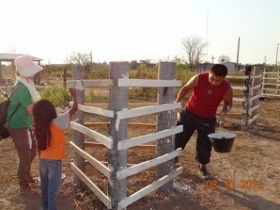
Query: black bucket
point(222, 142)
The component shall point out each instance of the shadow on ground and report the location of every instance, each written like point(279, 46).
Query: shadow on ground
point(33, 202)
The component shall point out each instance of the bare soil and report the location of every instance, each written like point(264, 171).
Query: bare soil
point(246, 178)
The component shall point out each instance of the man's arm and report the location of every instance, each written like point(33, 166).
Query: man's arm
point(227, 103)
point(187, 87)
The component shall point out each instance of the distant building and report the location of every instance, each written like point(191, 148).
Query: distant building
point(10, 57)
point(231, 66)
point(203, 67)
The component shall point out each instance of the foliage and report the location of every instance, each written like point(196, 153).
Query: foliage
point(57, 95)
point(143, 72)
point(56, 71)
point(99, 71)
point(99, 98)
point(144, 93)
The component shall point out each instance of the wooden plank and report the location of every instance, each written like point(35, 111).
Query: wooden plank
point(96, 110)
point(96, 124)
point(238, 110)
point(253, 119)
point(125, 82)
point(256, 76)
point(255, 87)
point(98, 145)
point(273, 84)
point(93, 134)
point(254, 108)
point(127, 143)
point(271, 89)
point(256, 97)
point(236, 121)
point(270, 94)
point(275, 73)
point(92, 83)
point(136, 112)
point(265, 78)
point(236, 77)
point(94, 162)
point(147, 164)
point(150, 188)
point(239, 87)
point(131, 125)
point(142, 126)
point(94, 188)
point(234, 115)
point(238, 99)
point(94, 144)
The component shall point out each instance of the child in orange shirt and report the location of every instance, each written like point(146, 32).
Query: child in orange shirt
point(49, 132)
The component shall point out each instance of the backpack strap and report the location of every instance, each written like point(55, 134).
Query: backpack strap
point(13, 90)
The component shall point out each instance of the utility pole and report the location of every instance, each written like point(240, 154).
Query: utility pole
point(91, 64)
point(212, 58)
point(237, 57)
point(276, 54)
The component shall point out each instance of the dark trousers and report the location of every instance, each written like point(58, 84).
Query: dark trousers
point(203, 126)
point(25, 154)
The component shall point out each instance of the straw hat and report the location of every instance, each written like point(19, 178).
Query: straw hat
point(26, 67)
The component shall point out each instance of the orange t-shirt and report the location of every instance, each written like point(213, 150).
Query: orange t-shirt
point(56, 150)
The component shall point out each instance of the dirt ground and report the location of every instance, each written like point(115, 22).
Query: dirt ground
point(246, 178)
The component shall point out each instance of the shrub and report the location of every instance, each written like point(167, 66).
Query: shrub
point(57, 95)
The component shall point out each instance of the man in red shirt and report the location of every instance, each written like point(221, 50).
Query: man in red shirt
point(209, 89)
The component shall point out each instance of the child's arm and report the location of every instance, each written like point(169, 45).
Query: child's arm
point(74, 107)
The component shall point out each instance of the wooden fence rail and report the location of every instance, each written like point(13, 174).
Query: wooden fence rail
point(246, 97)
point(271, 83)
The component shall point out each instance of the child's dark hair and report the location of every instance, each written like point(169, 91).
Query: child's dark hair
point(219, 70)
point(43, 113)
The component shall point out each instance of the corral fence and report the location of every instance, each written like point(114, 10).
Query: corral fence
point(117, 170)
point(244, 112)
point(271, 83)
point(246, 94)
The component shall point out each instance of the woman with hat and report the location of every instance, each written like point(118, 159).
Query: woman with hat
point(20, 123)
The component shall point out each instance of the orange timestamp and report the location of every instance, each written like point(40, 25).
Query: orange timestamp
point(231, 184)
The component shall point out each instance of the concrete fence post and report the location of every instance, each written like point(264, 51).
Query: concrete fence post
point(166, 120)
point(246, 95)
point(78, 74)
point(117, 160)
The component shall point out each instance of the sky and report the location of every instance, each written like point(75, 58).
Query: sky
point(125, 30)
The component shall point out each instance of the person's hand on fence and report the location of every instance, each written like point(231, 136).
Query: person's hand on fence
point(72, 91)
